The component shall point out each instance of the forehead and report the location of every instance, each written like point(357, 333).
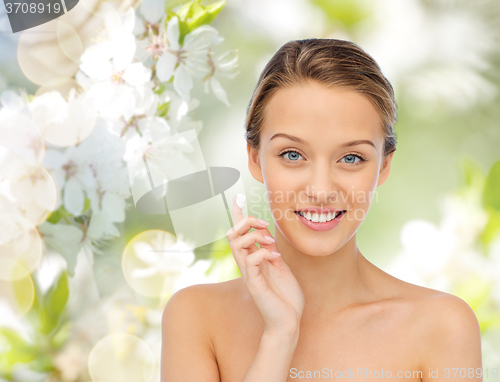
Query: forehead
point(315, 111)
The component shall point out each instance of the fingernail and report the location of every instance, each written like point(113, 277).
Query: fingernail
point(263, 222)
point(240, 200)
point(269, 238)
point(276, 253)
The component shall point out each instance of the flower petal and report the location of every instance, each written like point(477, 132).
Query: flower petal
point(137, 74)
point(219, 91)
point(73, 197)
point(129, 21)
point(152, 10)
point(123, 50)
point(165, 66)
point(200, 39)
point(183, 83)
point(95, 61)
point(173, 33)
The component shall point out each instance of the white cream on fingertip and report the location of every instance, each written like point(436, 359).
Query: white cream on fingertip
point(240, 200)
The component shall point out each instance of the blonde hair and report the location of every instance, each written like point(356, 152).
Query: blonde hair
point(330, 62)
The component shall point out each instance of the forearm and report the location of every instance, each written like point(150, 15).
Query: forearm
point(272, 361)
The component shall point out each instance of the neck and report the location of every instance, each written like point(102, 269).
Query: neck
point(330, 283)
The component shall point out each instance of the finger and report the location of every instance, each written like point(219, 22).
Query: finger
point(245, 245)
point(249, 240)
point(244, 225)
point(237, 212)
point(252, 262)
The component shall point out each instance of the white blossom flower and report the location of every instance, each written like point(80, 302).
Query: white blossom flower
point(114, 48)
point(93, 169)
point(109, 64)
point(20, 140)
point(152, 10)
point(223, 65)
point(25, 186)
point(72, 176)
point(31, 191)
point(61, 122)
point(143, 118)
point(178, 117)
point(186, 61)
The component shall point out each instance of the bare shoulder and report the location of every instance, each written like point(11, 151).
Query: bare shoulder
point(200, 303)
point(433, 310)
point(446, 319)
point(441, 323)
point(438, 311)
point(188, 352)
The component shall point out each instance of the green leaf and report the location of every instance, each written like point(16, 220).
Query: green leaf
point(86, 206)
point(23, 289)
point(18, 349)
point(204, 15)
point(184, 11)
point(80, 219)
point(170, 4)
point(54, 217)
point(163, 109)
point(196, 11)
point(62, 335)
point(54, 303)
point(60, 213)
point(193, 15)
point(160, 89)
point(491, 193)
point(183, 31)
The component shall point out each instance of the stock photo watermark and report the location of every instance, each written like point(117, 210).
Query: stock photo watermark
point(302, 200)
point(26, 14)
point(363, 372)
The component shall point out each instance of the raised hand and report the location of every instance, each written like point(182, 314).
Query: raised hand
point(268, 278)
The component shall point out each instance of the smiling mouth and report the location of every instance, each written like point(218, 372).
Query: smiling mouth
point(317, 218)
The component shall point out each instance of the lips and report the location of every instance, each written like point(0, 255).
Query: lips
point(320, 225)
point(337, 214)
point(320, 211)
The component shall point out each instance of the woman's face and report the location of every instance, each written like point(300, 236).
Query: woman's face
point(311, 156)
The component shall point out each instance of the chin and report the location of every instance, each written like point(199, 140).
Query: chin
point(325, 249)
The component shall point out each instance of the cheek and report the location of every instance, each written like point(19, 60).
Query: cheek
point(360, 192)
point(278, 181)
point(281, 191)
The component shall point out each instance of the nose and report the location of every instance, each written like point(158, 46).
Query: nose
point(322, 187)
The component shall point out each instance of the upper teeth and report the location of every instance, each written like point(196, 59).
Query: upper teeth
point(318, 218)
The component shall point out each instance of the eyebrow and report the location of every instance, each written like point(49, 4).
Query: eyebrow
point(346, 144)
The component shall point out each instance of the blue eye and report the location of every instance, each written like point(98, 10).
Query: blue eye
point(352, 157)
point(293, 157)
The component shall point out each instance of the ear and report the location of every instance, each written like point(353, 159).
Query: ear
point(385, 169)
point(254, 164)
